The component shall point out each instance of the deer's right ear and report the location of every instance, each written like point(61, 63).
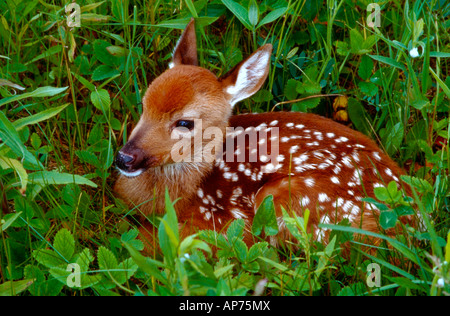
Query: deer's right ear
point(185, 52)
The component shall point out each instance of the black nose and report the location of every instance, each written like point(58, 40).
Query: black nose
point(124, 161)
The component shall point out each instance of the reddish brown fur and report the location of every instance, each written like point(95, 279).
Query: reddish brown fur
point(322, 162)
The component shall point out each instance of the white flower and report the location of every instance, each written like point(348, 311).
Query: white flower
point(414, 52)
point(440, 282)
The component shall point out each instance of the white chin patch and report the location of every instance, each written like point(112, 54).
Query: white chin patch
point(131, 174)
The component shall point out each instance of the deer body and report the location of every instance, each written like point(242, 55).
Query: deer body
point(308, 162)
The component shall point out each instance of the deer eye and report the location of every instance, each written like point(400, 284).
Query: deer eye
point(185, 123)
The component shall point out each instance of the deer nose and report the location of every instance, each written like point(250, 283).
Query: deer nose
point(124, 161)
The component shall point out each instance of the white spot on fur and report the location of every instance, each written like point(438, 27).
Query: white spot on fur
point(323, 197)
point(309, 182)
point(335, 180)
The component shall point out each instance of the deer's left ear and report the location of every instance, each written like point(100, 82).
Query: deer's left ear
point(248, 77)
point(185, 52)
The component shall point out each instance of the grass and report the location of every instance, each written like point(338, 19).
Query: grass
point(71, 95)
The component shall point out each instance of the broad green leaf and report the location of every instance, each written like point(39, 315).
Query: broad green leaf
point(101, 100)
point(236, 229)
point(10, 288)
point(103, 72)
point(265, 218)
point(9, 221)
point(388, 61)
point(149, 266)
point(49, 52)
point(191, 8)
point(358, 116)
point(381, 193)
point(48, 258)
point(103, 55)
point(44, 178)
point(84, 81)
point(253, 13)
point(39, 117)
point(107, 261)
point(239, 12)
point(180, 24)
point(368, 88)
point(38, 93)
point(168, 232)
point(365, 67)
point(6, 163)
point(11, 138)
point(240, 249)
point(290, 89)
point(190, 243)
point(64, 243)
point(388, 219)
point(272, 16)
point(441, 83)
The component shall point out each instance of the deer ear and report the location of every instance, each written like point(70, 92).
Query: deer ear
point(185, 52)
point(246, 78)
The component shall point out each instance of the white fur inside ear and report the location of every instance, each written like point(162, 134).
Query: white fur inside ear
point(249, 77)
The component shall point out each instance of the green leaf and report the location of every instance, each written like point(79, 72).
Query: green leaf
point(11, 138)
point(190, 243)
point(388, 61)
point(365, 67)
point(103, 55)
point(358, 116)
point(240, 249)
point(45, 178)
point(180, 24)
point(168, 234)
point(368, 88)
point(393, 138)
point(381, 193)
point(38, 93)
point(6, 163)
point(130, 238)
point(239, 11)
point(253, 13)
point(388, 219)
point(441, 83)
point(64, 243)
point(39, 117)
point(103, 72)
point(272, 16)
point(290, 89)
point(148, 265)
point(9, 221)
point(236, 229)
point(265, 218)
point(257, 250)
point(11, 288)
point(357, 43)
point(48, 258)
point(49, 52)
point(101, 100)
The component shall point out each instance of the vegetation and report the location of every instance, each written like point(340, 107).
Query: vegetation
point(69, 96)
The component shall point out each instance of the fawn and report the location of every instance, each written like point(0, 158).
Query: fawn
point(313, 162)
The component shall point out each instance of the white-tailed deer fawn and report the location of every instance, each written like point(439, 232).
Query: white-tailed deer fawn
point(303, 160)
